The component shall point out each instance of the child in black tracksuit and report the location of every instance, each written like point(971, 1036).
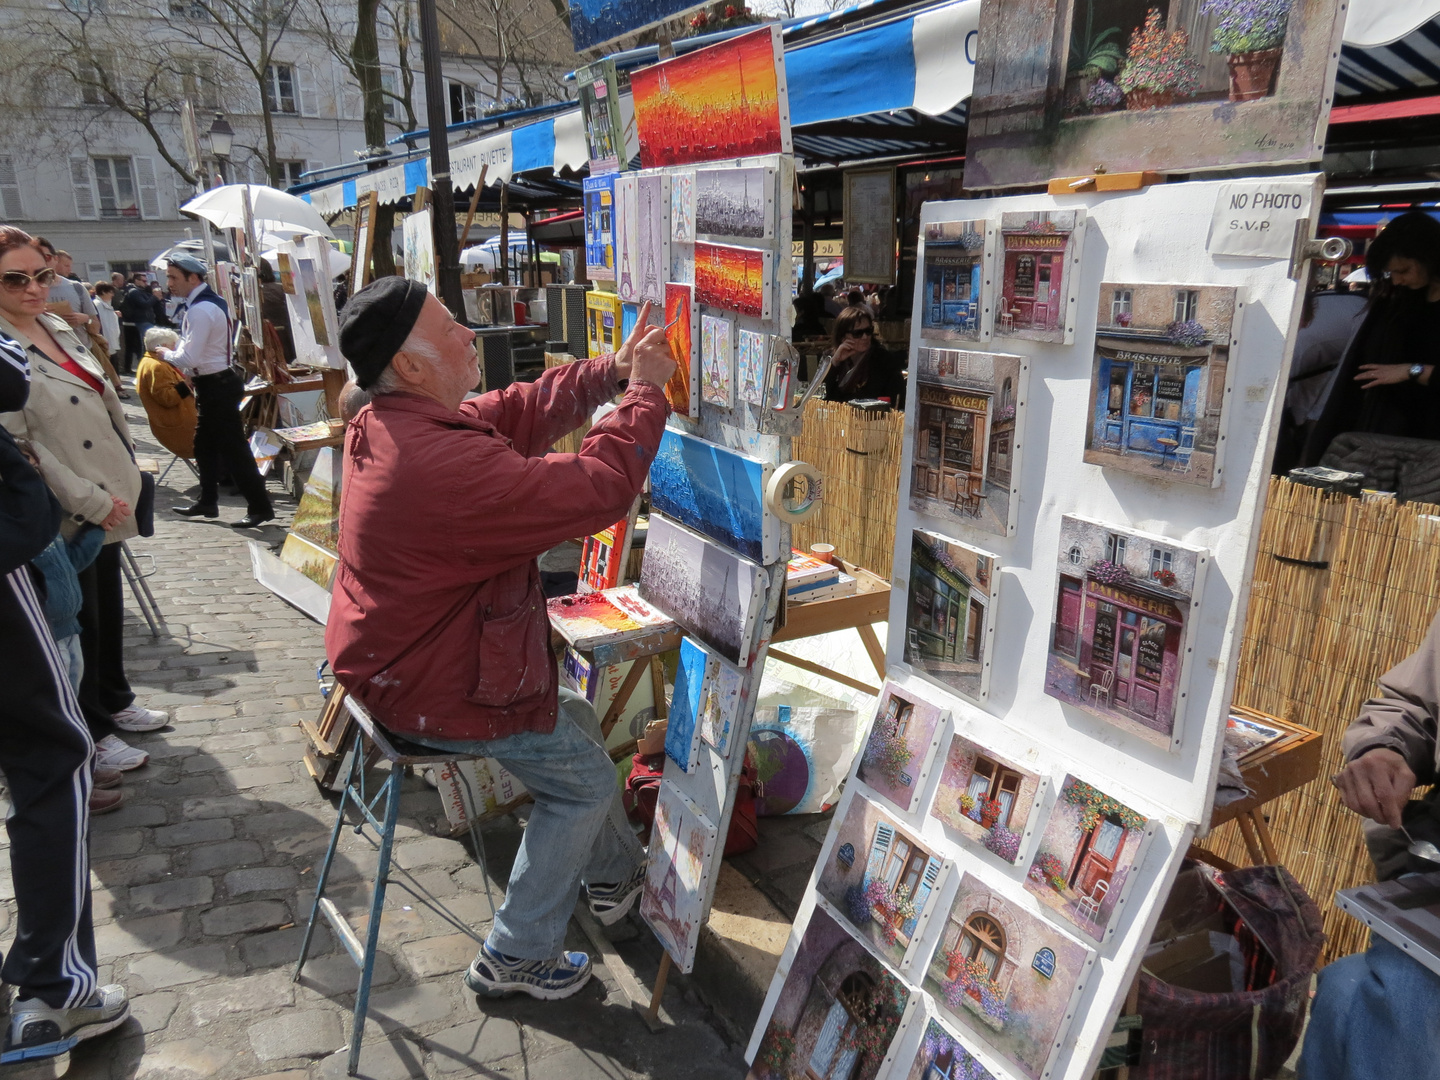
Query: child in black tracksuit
point(45, 754)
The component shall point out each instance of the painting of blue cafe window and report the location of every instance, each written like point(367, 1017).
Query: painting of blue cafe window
point(1157, 392)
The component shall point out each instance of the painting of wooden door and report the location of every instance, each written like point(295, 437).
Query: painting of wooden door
point(1099, 850)
point(1067, 618)
point(836, 1055)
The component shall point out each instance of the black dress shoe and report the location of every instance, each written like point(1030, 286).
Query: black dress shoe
point(253, 520)
point(196, 510)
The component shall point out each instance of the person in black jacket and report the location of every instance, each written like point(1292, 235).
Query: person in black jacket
point(1386, 383)
point(137, 315)
point(862, 367)
point(45, 754)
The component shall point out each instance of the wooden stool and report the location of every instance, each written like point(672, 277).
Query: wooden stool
point(399, 752)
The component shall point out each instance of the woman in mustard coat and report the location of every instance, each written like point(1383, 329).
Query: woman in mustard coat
point(169, 402)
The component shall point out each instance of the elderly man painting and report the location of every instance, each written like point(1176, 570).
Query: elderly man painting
point(438, 621)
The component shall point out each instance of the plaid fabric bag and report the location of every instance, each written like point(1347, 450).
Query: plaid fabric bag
point(1191, 1035)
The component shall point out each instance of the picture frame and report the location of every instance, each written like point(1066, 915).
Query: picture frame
point(870, 235)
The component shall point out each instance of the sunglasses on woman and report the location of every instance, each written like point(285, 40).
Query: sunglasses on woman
point(15, 281)
point(864, 331)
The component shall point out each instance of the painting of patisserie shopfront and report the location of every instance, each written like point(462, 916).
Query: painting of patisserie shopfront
point(1124, 606)
point(1157, 391)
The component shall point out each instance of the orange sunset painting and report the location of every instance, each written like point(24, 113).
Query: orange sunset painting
point(733, 278)
point(724, 101)
point(680, 333)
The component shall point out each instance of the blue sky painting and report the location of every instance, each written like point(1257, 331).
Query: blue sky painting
point(716, 492)
point(680, 734)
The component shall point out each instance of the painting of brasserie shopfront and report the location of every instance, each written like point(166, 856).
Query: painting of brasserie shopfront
point(965, 432)
point(1122, 612)
point(1157, 390)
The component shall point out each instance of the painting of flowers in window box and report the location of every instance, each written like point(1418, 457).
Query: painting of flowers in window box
point(1125, 602)
point(943, 1056)
point(1174, 87)
point(836, 1014)
point(987, 798)
point(882, 877)
point(1087, 857)
point(902, 742)
point(1157, 388)
point(1007, 976)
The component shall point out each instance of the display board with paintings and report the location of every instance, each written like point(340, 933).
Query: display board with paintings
point(1005, 844)
point(702, 232)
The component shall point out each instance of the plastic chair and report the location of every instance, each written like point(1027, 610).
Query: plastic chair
point(400, 753)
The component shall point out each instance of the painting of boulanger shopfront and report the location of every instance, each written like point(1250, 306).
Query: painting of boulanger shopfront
point(965, 436)
point(1122, 611)
point(1158, 384)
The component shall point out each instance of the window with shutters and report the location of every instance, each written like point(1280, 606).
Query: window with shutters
point(464, 103)
point(290, 173)
point(390, 84)
point(190, 9)
point(200, 83)
point(115, 192)
point(10, 206)
point(280, 88)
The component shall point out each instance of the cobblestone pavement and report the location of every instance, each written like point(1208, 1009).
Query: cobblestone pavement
point(204, 879)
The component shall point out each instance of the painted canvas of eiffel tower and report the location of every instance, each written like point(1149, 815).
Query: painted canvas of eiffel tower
point(682, 852)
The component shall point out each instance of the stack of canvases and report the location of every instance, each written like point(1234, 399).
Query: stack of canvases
point(706, 246)
point(989, 884)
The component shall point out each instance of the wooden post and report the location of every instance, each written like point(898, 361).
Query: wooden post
point(334, 379)
point(474, 202)
point(503, 265)
point(420, 199)
point(653, 1012)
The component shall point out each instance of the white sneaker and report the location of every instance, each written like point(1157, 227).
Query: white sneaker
point(113, 753)
point(139, 718)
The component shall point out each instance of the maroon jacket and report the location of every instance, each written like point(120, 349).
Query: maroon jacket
point(437, 620)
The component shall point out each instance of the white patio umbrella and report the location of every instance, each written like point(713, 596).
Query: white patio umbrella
point(273, 210)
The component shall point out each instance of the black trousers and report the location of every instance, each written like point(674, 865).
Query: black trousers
point(104, 689)
point(45, 753)
point(220, 443)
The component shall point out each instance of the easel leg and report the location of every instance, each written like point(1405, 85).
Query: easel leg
point(622, 697)
point(1262, 832)
point(659, 993)
point(1252, 842)
point(873, 647)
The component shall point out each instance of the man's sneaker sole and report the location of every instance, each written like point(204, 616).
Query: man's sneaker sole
point(65, 1045)
point(609, 916)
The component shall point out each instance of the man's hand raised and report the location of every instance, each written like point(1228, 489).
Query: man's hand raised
point(645, 353)
point(1376, 785)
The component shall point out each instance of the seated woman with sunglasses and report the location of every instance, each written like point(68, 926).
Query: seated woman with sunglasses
point(862, 367)
point(74, 424)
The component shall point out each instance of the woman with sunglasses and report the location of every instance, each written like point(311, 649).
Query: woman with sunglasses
point(862, 367)
point(74, 424)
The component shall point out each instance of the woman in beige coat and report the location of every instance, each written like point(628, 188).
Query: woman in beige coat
point(75, 427)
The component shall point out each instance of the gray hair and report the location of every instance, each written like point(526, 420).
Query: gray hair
point(160, 337)
point(389, 382)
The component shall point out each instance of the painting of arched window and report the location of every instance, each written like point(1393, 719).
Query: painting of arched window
point(981, 939)
point(835, 1056)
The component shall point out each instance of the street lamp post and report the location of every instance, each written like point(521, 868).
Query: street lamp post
point(222, 141)
point(442, 193)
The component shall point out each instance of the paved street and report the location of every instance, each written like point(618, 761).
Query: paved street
point(203, 880)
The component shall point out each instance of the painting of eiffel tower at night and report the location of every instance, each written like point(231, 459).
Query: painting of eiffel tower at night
point(682, 851)
point(596, 22)
point(714, 594)
point(725, 101)
point(734, 278)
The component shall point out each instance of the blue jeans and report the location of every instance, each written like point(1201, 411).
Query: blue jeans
point(1375, 1014)
point(74, 659)
point(577, 828)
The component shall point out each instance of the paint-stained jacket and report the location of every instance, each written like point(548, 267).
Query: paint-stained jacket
point(437, 621)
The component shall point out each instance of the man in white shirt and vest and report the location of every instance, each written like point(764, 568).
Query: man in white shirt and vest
point(204, 356)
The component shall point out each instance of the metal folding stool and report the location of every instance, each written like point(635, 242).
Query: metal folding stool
point(400, 753)
point(188, 464)
point(144, 598)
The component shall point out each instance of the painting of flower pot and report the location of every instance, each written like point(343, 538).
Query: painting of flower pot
point(949, 611)
point(901, 744)
point(1006, 976)
point(837, 1012)
point(881, 876)
point(1157, 387)
point(1177, 87)
point(1124, 605)
point(1088, 854)
point(942, 1056)
point(985, 797)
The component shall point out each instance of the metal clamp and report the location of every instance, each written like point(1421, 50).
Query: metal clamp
point(1307, 248)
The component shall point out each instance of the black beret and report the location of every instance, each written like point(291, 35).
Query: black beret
point(375, 323)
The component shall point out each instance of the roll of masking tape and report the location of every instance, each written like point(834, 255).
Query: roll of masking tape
point(787, 509)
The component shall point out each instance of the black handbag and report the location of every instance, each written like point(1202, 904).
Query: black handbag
point(145, 505)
